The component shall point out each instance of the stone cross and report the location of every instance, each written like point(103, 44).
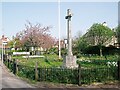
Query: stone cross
point(70, 60)
point(68, 17)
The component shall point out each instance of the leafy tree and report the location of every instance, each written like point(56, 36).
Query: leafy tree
point(15, 43)
point(82, 44)
point(98, 34)
point(118, 36)
point(10, 44)
point(63, 51)
point(53, 50)
point(35, 36)
point(118, 33)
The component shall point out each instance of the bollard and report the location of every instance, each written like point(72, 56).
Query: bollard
point(36, 71)
point(16, 66)
point(8, 62)
point(79, 75)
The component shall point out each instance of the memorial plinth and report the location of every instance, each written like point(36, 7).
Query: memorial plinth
point(70, 62)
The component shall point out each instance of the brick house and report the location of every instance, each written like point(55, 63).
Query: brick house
point(5, 40)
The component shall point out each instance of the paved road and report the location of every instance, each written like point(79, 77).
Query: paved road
point(9, 80)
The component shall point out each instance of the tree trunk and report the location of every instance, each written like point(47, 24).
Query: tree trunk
point(36, 71)
point(79, 75)
point(101, 52)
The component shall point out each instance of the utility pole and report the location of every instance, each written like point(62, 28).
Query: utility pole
point(59, 28)
point(2, 52)
point(4, 42)
point(118, 38)
point(4, 48)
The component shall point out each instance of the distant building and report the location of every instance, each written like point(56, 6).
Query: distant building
point(112, 42)
point(62, 44)
point(93, 40)
point(4, 39)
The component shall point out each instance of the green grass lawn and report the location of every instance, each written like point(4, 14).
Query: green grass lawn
point(108, 57)
point(53, 61)
point(47, 61)
point(96, 61)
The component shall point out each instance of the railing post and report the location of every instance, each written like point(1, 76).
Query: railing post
point(119, 69)
point(36, 71)
point(8, 63)
point(16, 66)
point(79, 75)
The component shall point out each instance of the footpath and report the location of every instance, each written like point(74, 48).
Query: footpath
point(9, 80)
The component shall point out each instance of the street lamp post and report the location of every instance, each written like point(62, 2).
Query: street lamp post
point(3, 49)
point(59, 29)
point(2, 52)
